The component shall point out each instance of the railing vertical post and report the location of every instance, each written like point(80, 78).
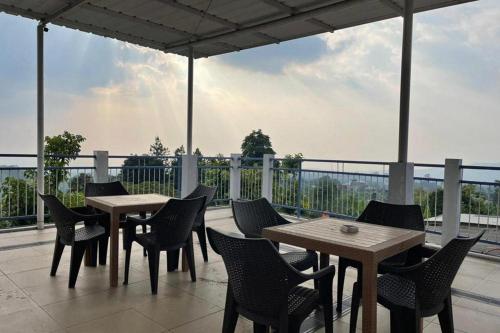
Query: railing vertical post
point(40, 179)
point(452, 197)
point(298, 200)
point(267, 176)
point(235, 177)
point(401, 183)
point(101, 164)
point(189, 174)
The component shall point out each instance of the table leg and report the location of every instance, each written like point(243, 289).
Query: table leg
point(324, 260)
point(369, 298)
point(113, 244)
point(185, 266)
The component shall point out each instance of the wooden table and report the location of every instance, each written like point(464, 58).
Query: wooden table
point(371, 245)
point(123, 204)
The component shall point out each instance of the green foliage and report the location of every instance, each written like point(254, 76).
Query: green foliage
point(292, 161)
point(256, 144)
point(17, 197)
point(157, 149)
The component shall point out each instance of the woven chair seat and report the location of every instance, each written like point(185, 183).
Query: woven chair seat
point(396, 290)
point(88, 232)
point(301, 301)
point(300, 260)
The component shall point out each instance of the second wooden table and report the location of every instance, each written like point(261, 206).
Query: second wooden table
point(371, 245)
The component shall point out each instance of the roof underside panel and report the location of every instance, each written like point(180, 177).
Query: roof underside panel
point(211, 27)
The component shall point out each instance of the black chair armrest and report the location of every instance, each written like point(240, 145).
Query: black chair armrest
point(330, 270)
point(426, 252)
point(85, 210)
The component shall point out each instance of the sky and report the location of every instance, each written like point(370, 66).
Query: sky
point(332, 96)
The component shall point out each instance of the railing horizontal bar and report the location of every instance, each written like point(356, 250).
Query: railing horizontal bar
point(146, 167)
point(51, 155)
point(144, 156)
point(212, 158)
point(429, 179)
point(344, 173)
point(479, 183)
point(214, 167)
point(429, 165)
point(332, 161)
point(480, 167)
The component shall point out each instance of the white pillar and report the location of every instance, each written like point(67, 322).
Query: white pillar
point(101, 163)
point(267, 177)
point(189, 174)
point(401, 183)
point(235, 177)
point(452, 197)
point(404, 102)
point(189, 148)
point(40, 169)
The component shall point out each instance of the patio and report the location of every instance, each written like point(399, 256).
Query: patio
point(31, 301)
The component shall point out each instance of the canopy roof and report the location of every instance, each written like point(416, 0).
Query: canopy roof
point(211, 27)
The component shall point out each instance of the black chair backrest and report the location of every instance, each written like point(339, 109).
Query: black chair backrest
point(400, 216)
point(172, 224)
point(253, 216)
point(105, 189)
point(63, 217)
point(259, 278)
point(437, 273)
point(202, 191)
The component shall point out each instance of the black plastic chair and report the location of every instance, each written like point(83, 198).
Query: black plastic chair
point(102, 190)
point(80, 240)
point(265, 289)
point(199, 223)
point(376, 212)
point(170, 231)
point(253, 216)
point(421, 290)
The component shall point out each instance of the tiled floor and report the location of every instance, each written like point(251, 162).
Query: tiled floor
point(32, 301)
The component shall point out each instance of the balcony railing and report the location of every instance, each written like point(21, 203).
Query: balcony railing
point(306, 188)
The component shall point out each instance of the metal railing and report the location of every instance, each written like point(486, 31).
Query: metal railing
point(480, 205)
point(147, 174)
point(334, 187)
point(214, 171)
point(251, 178)
point(18, 186)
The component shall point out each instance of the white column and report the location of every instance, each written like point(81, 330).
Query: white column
point(189, 174)
point(101, 163)
point(401, 183)
point(40, 169)
point(189, 147)
point(235, 177)
point(267, 177)
point(404, 102)
point(452, 197)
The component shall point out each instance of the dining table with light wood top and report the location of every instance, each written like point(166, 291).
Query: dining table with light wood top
point(370, 245)
point(117, 205)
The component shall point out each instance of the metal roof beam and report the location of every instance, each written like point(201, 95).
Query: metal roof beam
point(321, 24)
point(280, 6)
point(136, 20)
point(63, 10)
point(394, 6)
point(200, 13)
point(262, 35)
point(300, 16)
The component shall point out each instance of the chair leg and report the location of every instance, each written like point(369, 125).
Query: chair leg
point(202, 237)
point(144, 230)
point(128, 251)
point(355, 302)
point(92, 248)
point(395, 321)
point(190, 258)
point(340, 283)
point(172, 260)
point(154, 264)
point(58, 251)
point(103, 250)
point(230, 313)
point(259, 328)
point(77, 252)
point(325, 290)
point(446, 317)
point(315, 269)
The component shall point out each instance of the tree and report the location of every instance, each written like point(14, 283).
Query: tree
point(180, 151)
point(292, 161)
point(137, 169)
point(157, 149)
point(256, 144)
